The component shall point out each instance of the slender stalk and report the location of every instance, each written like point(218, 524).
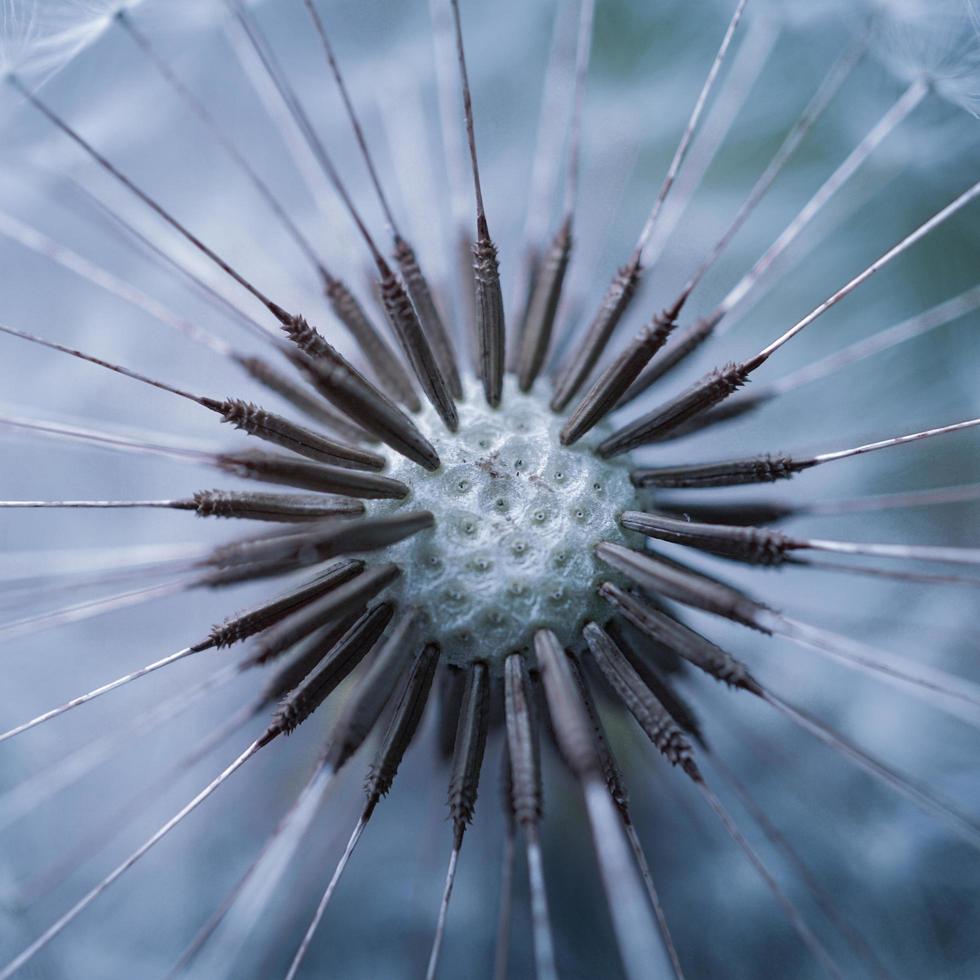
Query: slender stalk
point(97, 692)
point(429, 350)
point(212, 125)
point(896, 441)
point(719, 319)
point(965, 198)
point(642, 949)
point(454, 150)
point(681, 152)
point(623, 287)
point(378, 403)
point(548, 281)
point(544, 172)
point(490, 326)
point(748, 63)
point(90, 608)
point(26, 796)
point(325, 899)
point(721, 383)
point(54, 930)
point(41, 244)
point(815, 108)
point(447, 892)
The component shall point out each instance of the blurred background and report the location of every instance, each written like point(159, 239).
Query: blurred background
point(902, 880)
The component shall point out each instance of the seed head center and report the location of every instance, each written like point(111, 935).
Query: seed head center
point(518, 517)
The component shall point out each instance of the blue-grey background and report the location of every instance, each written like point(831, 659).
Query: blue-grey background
point(901, 878)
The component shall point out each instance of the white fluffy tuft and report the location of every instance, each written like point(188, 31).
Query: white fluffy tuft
point(935, 38)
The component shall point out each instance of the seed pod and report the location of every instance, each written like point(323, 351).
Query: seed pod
point(285, 508)
point(725, 473)
point(728, 411)
point(611, 774)
point(348, 598)
point(273, 468)
point(547, 279)
point(386, 366)
point(735, 512)
point(360, 711)
point(614, 303)
point(522, 741)
point(676, 706)
point(489, 314)
point(683, 347)
point(693, 647)
point(616, 379)
point(299, 397)
point(309, 653)
point(371, 410)
point(310, 341)
point(415, 344)
point(428, 313)
point(572, 727)
point(402, 727)
point(328, 539)
point(659, 577)
point(755, 545)
point(261, 617)
point(346, 388)
point(650, 714)
point(471, 742)
point(338, 663)
point(713, 388)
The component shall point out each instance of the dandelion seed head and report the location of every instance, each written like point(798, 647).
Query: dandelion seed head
point(41, 38)
point(19, 31)
point(501, 560)
point(518, 517)
point(935, 38)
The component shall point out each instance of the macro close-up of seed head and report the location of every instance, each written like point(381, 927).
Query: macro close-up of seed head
point(518, 519)
point(579, 401)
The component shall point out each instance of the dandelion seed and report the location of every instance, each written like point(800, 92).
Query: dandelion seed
point(663, 732)
point(768, 468)
point(620, 797)
point(719, 384)
point(398, 306)
point(623, 286)
point(560, 73)
point(399, 734)
point(549, 274)
point(635, 932)
point(212, 125)
point(525, 782)
point(415, 281)
point(464, 781)
point(699, 332)
point(763, 546)
point(620, 376)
